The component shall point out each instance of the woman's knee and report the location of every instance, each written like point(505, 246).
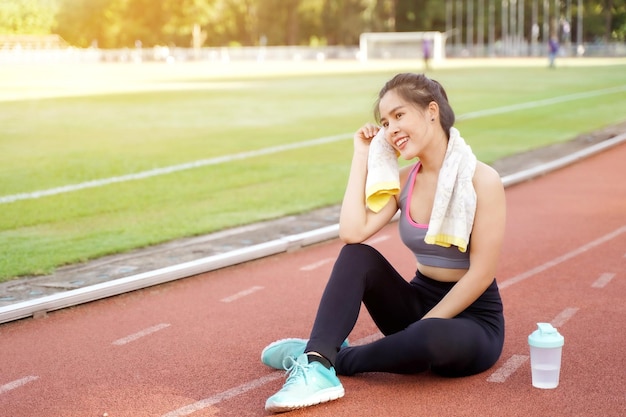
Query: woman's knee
point(360, 255)
point(361, 259)
point(355, 264)
point(357, 250)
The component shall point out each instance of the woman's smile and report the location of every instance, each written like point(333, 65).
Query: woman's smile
point(401, 142)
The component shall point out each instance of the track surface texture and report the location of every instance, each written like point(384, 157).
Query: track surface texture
point(191, 347)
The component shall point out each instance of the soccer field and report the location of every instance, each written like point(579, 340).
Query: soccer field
point(100, 159)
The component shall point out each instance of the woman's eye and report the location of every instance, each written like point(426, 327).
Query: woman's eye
point(398, 115)
point(385, 124)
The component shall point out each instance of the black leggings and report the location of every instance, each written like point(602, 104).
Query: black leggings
point(464, 345)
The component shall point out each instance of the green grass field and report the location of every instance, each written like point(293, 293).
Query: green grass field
point(67, 125)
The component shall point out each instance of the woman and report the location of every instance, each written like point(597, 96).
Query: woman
point(448, 318)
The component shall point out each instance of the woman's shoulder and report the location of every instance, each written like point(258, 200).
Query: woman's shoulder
point(486, 177)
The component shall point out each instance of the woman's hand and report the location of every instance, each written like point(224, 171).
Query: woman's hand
point(356, 222)
point(363, 137)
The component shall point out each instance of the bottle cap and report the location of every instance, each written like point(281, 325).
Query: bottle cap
point(546, 336)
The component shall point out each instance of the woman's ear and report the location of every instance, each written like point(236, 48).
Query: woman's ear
point(432, 111)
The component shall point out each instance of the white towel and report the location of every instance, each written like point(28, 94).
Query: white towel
point(383, 175)
point(452, 216)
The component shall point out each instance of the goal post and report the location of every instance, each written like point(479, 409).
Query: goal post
point(401, 45)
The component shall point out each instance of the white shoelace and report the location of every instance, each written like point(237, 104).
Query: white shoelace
point(294, 369)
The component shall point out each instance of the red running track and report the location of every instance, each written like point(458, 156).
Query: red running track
point(192, 347)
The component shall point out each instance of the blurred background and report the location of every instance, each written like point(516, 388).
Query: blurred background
point(181, 30)
point(130, 123)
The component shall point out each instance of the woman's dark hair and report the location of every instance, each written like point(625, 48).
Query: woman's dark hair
point(420, 90)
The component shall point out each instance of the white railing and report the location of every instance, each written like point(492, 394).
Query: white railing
point(16, 53)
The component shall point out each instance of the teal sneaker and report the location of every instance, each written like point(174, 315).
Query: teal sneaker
point(275, 353)
point(307, 384)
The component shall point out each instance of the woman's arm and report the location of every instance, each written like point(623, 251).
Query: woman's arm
point(356, 222)
point(486, 244)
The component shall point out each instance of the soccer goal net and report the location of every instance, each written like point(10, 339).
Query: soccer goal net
point(401, 45)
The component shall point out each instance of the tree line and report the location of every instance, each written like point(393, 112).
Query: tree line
point(128, 23)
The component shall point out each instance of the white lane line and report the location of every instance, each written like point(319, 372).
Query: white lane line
point(509, 367)
point(562, 258)
point(540, 103)
point(603, 280)
point(138, 335)
point(225, 395)
point(318, 264)
point(17, 383)
point(564, 316)
point(280, 148)
point(242, 389)
point(171, 169)
point(515, 361)
point(241, 294)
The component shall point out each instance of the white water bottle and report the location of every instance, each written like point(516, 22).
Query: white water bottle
point(545, 356)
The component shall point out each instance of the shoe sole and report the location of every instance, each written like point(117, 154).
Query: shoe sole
point(329, 394)
point(273, 344)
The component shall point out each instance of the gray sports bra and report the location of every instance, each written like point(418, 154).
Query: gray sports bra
point(413, 234)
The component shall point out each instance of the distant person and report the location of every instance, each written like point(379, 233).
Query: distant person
point(448, 318)
point(426, 53)
point(553, 50)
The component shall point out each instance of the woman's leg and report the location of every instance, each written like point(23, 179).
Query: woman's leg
point(450, 347)
point(361, 273)
point(470, 343)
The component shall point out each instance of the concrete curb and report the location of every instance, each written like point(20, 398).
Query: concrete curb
point(70, 298)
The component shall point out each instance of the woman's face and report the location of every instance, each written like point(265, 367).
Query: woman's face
point(407, 128)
